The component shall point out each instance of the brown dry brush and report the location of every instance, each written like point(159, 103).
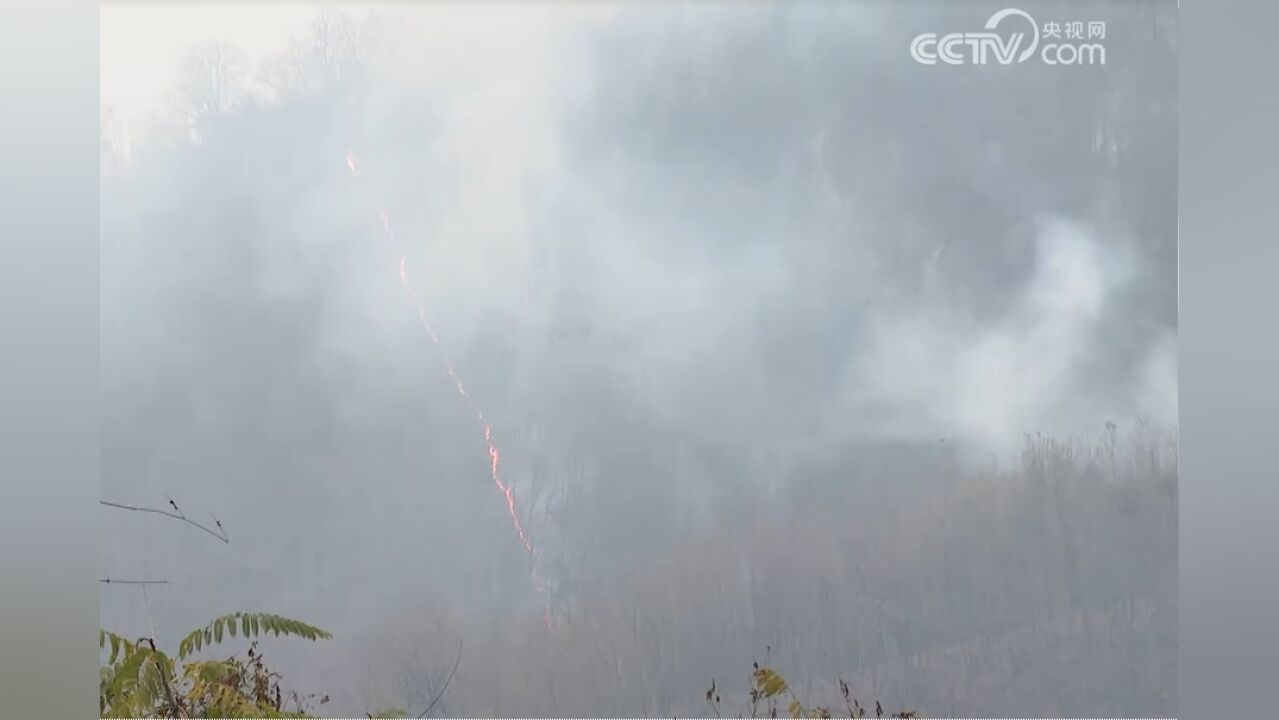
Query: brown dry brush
point(768, 688)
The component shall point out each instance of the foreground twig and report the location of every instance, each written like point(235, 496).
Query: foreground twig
point(113, 581)
point(178, 515)
point(161, 672)
point(447, 680)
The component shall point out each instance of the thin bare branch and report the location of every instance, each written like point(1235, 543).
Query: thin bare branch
point(218, 522)
point(114, 581)
point(447, 680)
point(179, 515)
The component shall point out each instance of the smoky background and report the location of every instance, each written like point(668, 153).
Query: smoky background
point(786, 341)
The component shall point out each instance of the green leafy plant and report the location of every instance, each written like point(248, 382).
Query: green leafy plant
point(141, 681)
point(249, 625)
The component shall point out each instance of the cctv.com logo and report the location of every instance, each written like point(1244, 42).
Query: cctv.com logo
point(1012, 36)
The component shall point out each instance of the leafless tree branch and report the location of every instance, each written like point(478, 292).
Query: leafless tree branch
point(114, 581)
point(447, 680)
point(176, 515)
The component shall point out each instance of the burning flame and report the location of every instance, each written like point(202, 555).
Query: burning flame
point(495, 454)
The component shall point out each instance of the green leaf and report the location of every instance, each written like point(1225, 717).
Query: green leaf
point(252, 625)
point(769, 683)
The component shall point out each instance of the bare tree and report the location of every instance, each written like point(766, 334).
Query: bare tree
point(213, 80)
point(330, 54)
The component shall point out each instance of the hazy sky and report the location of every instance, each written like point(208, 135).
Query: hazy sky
point(143, 44)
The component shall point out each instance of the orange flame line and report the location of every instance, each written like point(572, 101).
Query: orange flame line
point(494, 453)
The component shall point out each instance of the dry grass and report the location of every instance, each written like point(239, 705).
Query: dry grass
point(1046, 589)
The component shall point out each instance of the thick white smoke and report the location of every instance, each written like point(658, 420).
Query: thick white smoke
point(936, 372)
